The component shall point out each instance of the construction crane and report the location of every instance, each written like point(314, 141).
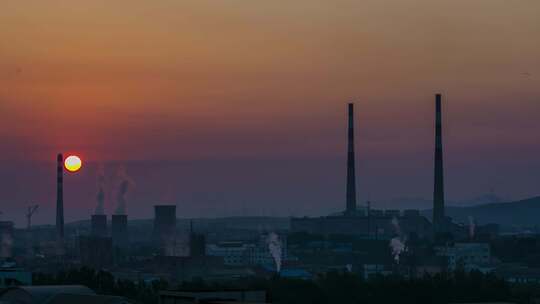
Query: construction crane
point(31, 210)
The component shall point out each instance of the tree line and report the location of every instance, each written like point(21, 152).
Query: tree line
point(332, 287)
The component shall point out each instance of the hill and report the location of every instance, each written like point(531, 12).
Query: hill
point(523, 213)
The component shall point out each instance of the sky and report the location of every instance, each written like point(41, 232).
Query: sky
point(239, 107)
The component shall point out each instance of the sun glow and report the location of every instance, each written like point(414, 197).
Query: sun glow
point(73, 163)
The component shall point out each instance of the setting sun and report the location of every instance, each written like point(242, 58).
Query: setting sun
point(73, 163)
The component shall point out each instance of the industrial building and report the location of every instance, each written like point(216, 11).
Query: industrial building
point(239, 253)
point(469, 256)
point(212, 296)
point(57, 294)
point(14, 276)
point(372, 226)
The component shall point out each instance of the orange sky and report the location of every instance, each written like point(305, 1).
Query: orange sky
point(183, 80)
point(89, 71)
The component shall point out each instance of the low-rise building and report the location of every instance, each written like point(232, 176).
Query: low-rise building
point(14, 277)
point(469, 256)
point(56, 294)
point(212, 296)
point(239, 253)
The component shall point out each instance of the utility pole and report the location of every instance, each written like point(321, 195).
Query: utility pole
point(31, 210)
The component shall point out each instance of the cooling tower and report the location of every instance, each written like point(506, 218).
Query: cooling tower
point(165, 228)
point(99, 225)
point(119, 230)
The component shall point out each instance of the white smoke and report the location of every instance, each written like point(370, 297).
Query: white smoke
point(472, 227)
point(275, 248)
point(348, 267)
point(397, 244)
point(125, 184)
point(100, 197)
point(398, 247)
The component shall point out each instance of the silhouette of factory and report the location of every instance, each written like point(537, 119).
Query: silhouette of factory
point(382, 223)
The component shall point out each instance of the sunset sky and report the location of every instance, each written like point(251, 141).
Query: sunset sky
point(238, 107)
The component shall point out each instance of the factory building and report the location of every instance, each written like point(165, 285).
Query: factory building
point(372, 226)
point(239, 253)
point(468, 256)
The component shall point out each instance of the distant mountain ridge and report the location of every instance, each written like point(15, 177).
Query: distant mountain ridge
point(425, 203)
point(520, 213)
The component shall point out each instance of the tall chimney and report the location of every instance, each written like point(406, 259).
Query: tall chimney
point(351, 177)
point(438, 191)
point(60, 197)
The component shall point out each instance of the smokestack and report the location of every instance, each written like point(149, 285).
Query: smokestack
point(438, 191)
point(60, 197)
point(119, 230)
point(99, 225)
point(351, 177)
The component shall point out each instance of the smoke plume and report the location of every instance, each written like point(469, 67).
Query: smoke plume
point(397, 244)
point(398, 247)
point(100, 197)
point(124, 185)
point(472, 227)
point(274, 246)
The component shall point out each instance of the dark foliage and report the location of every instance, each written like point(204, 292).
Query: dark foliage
point(333, 287)
point(104, 283)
